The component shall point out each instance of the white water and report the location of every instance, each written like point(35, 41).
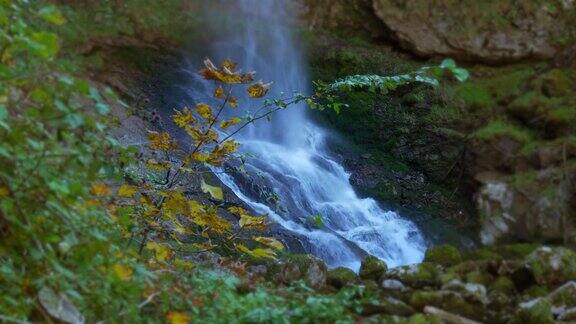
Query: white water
point(289, 156)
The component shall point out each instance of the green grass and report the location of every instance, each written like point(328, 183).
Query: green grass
point(500, 128)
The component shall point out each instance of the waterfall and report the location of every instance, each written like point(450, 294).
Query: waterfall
point(288, 154)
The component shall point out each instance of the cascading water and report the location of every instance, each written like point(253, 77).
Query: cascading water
point(289, 155)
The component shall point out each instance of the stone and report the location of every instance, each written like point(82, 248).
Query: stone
point(393, 285)
point(564, 296)
point(552, 266)
point(417, 275)
point(340, 277)
point(504, 285)
point(476, 30)
point(537, 311)
point(303, 267)
point(450, 301)
point(372, 268)
point(445, 255)
point(568, 315)
point(471, 291)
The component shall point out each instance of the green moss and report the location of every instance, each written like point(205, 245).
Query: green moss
point(445, 255)
point(504, 285)
point(474, 96)
point(372, 268)
point(535, 312)
point(536, 291)
point(556, 83)
point(341, 277)
point(517, 251)
point(484, 253)
point(479, 277)
point(500, 128)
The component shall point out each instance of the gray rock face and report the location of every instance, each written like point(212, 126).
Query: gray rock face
point(495, 31)
point(521, 211)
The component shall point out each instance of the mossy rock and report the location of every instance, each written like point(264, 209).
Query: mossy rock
point(417, 275)
point(483, 254)
point(445, 255)
point(479, 277)
point(303, 267)
point(447, 300)
point(340, 277)
point(552, 266)
point(372, 268)
point(537, 311)
point(504, 285)
point(556, 83)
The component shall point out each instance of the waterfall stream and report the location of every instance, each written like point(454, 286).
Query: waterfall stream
point(288, 154)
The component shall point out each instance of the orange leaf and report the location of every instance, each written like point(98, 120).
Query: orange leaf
point(100, 189)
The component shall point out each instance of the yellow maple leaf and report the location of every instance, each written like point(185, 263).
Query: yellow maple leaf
point(230, 122)
point(100, 189)
point(161, 141)
point(127, 191)
point(259, 89)
point(247, 221)
point(178, 317)
point(215, 192)
point(270, 241)
point(258, 252)
point(157, 166)
point(183, 118)
point(123, 272)
point(219, 92)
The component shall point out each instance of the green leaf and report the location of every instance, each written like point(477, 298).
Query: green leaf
point(448, 64)
point(102, 109)
point(52, 15)
point(44, 44)
point(461, 74)
point(215, 192)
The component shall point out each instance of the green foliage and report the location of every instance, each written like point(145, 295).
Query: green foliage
point(499, 128)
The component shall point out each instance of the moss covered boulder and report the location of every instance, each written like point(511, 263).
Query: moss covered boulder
point(303, 267)
point(552, 266)
point(445, 255)
point(372, 268)
point(340, 277)
point(537, 311)
point(417, 275)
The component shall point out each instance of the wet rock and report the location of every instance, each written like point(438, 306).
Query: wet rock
point(393, 285)
point(552, 266)
point(568, 315)
point(372, 268)
point(537, 311)
point(341, 277)
point(467, 30)
point(445, 255)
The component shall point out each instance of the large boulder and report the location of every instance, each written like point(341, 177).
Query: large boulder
point(303, 267)
point(552, 266)
point(531, 207)
point(340, 277)
point(490, 31)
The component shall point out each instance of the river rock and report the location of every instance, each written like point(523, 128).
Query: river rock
point(393, 285)
point(552, 266)
point(340, 277)
point(537, 311)
point(493, 32)
point(416, 275)
point(303, 267)
point(372, 268)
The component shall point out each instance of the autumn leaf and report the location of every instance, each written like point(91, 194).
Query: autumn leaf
point(219, 92)
point(178, 317)
point(257, 253)
point(123, 272)
point(229, 64)
point(183, 118)
point(205, 111)
point(157, 166)
point(127, 191)
point(270, 242)
point(161, 252)
point(233, 102)
point(100, 189)
point(259, 89)
point(215, 192)
point(247, 221)
point(175, 204)
point(231, 122)
point(161, 141)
